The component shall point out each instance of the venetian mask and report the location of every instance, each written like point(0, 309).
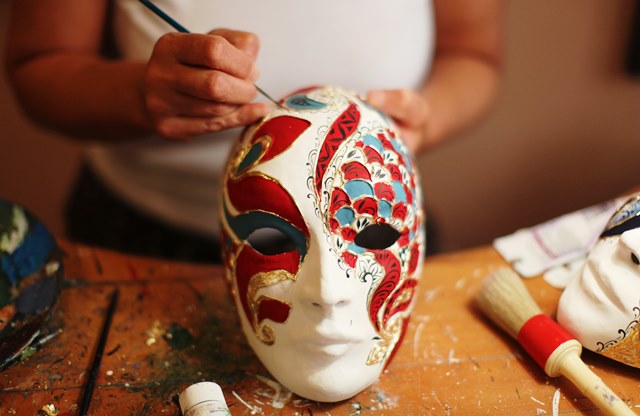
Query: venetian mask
point(30, 279)
point(324, 241)
point(601, 307)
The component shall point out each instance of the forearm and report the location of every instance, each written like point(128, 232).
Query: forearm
point(83, 95)
point(459, 91)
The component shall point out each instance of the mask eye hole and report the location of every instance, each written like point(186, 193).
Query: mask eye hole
point(270, 241)
point(377, 236)
point(634, 258)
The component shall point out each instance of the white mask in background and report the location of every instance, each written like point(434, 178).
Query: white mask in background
point(601, 307)
point(324, 241)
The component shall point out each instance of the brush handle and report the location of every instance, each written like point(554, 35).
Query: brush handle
point(558, 352)
point(540, 336)
point(161, 14)
point(566, 361)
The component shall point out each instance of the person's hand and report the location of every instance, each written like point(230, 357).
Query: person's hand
point(409, 110)
point(196, 84)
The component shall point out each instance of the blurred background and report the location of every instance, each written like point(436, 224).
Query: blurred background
point(564, 134)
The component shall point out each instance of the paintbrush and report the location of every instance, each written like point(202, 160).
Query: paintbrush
point(177, 26)
point(505, 299)
point(97, 357)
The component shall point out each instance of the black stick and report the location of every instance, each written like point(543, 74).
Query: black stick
point(158, 11)
point(97, 358)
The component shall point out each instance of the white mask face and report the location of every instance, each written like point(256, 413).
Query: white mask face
point(601, 307)
point(324, 241)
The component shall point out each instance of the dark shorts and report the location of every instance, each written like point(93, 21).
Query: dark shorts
point(94, 215)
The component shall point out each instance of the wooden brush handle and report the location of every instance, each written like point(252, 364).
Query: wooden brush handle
point(566, 361)
point(504, 298)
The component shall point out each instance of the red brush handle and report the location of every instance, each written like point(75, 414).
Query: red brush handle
point(540, 336)
point(558, 353)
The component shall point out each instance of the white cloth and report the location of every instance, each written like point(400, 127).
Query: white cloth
point(557, 247)
point(355, 44)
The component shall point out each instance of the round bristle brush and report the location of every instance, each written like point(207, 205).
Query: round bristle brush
point(505, 299)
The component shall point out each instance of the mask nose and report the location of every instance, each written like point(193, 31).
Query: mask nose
point(327, 298)
point(326, 293)
point(323, 286)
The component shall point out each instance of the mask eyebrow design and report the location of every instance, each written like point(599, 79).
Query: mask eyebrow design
point(625, 219)
point(245, 224)
point(261, 193)
point(270, 140)
point(630, 224)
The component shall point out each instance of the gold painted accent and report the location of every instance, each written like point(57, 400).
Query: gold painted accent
point(266, 335)
point(627, 350)
point(231, 259)
point(265, 141)
point(404, 296)
point(633, 200)
point(229, 275)
point(260, 281)
point(390, 336)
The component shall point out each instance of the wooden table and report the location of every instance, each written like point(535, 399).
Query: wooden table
point(175, 325)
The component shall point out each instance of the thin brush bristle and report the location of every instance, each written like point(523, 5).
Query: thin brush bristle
point(505, 299)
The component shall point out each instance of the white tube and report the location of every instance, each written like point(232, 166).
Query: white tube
point(202, 399)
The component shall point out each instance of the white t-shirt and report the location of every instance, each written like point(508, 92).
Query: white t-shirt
point(354, 44)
